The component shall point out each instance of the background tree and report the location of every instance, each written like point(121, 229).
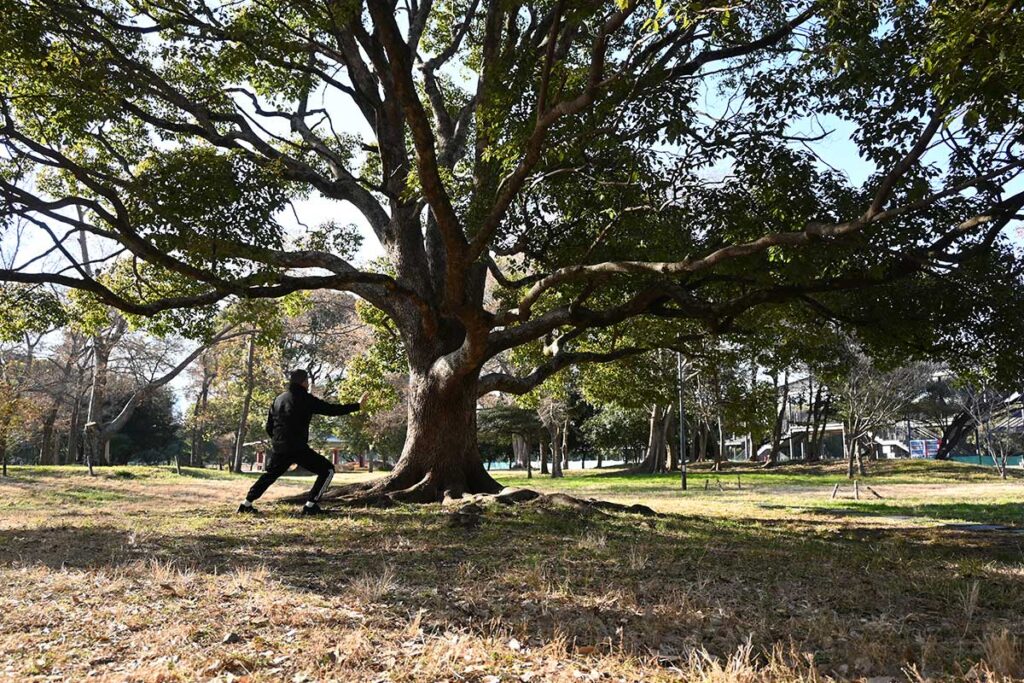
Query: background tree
point(870, 399)
point(504, 421)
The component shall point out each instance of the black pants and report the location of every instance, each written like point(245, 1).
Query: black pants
point(279, 463)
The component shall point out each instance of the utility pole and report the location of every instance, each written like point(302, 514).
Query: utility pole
point(682, 423)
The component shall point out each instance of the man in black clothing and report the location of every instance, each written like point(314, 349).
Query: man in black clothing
point(288, 428)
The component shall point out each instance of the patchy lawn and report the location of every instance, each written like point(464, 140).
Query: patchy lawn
point(138, 574)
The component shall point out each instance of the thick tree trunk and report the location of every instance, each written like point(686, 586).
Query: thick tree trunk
point(543, 456)
point(440, 458)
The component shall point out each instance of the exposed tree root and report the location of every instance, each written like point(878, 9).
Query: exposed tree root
point(374, 494)
point(401, 486)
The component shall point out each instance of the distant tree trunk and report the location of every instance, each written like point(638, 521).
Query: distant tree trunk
point(656, 453)
point(74, 434)
point(855, 458)
point(3, 453)
point(47, 451)
point(1000, 461)
point(556, 450)
point(243, 420)
point(720, 451)
point(671, 441)
point(195, 457)
point(815, 429)
point(773, 452)
point(520, 451)
point(97, 395)
point(702, 441)
point(565, 444)
point(823, 414)
point(543, 456)
point(953, 435)
point(599, 454)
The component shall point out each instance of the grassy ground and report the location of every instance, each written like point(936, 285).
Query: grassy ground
point(138, 574)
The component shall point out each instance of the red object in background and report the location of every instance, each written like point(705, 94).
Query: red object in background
point(258, 465)
point(334, 456)
point(361, 463)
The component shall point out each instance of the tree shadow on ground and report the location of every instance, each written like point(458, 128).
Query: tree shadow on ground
point(618, 581)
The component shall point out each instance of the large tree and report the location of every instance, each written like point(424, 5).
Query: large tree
point(601, 161)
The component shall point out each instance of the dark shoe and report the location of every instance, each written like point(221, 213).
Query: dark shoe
point(312, 511)
point(244, 509)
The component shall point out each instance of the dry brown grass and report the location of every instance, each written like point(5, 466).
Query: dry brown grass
point(151, 578)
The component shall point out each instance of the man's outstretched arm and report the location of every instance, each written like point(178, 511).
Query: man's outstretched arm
point(321, 407)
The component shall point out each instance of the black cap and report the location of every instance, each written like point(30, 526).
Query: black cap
point(298, 377)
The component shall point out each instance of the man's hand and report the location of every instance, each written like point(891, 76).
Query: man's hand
point(362, 399)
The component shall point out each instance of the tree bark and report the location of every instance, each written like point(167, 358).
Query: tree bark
point(440, 459)
point(543, 456)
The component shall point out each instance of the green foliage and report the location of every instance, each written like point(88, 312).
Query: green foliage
point(497, 424)
point(29, 309)
point(187, 199)
point(614, 429)
point(368, 373)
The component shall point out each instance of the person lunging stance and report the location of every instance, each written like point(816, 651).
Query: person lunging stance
point(288, 429)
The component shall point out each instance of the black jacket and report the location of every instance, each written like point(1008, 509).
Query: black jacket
point(288, 420)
